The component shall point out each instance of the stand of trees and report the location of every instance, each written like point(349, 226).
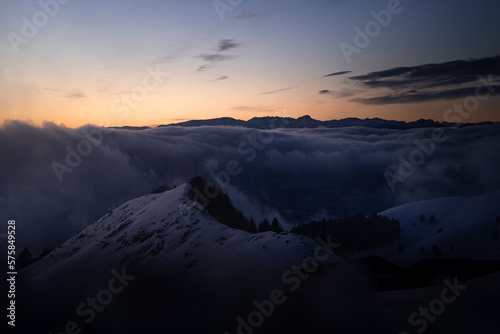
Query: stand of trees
point(218, 205)
point(25, 257)
point(274, 226)
point(355, 233)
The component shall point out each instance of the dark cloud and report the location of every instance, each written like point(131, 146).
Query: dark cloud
point(336, 73)
point(216, 57)
point(432, 75)
point(328, 171)
point(414, 96)
point(227, 44)
point(338, 94)
point(429, 82)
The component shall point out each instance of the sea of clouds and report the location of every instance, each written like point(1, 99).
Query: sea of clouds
point(288, 173)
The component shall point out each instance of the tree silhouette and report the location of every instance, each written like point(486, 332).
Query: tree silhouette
point(422, 217)
point(24, 259)
point(432, 219)
point(45, 251)
point(276, 226)
point(264, 226)
point(252, 228)
point(355, 233)
point(217, 204)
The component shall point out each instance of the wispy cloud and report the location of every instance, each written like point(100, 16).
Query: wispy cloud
point(224, 77)
point(77, 94)
point(227, 44)
point(279, 90)
point(338, 94)
point(431, 75)
point(216, 57)
point(205, 67)
point(414, 96)
point(428, 82)
point(336, 73)
point(213, 58)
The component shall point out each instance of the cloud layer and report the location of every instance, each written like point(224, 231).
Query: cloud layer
point(430, 82)
point(326, 171)
point(432, 75)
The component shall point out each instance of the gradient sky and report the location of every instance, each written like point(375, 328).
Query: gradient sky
point(266, 57)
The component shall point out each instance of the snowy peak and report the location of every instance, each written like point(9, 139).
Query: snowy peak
point(448, 228)
point(168, 231)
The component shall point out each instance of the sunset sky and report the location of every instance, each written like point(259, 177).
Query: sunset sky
point(129, 62)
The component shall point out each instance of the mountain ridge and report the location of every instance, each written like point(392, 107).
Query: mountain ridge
point(306, 121)
point(171, 256)
point(163, 227)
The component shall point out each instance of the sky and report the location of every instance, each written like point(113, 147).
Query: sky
point(116, 63)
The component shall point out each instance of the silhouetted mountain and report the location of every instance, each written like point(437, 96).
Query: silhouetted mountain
point(226, 121)
point(270, 122)
point(168, 259)
point(167, 262)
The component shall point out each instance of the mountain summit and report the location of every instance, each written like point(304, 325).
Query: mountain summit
point(172, 266)
point(306, 121)
point(163, 244)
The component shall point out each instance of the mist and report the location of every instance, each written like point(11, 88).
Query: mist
point(56, 180)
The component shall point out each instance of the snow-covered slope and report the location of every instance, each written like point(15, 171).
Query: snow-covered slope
point(193, 274)
point(464, 228)
point(168, 231)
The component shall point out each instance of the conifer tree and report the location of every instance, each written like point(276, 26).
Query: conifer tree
point(276, 226)
point(264, 226)
point(252, 227)
point(25, 258)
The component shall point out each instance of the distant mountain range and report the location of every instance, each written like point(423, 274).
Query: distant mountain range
point(271, 122)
